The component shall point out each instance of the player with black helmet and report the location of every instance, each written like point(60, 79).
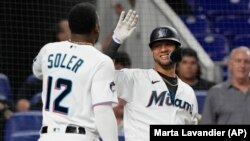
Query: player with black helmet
point(157, 95)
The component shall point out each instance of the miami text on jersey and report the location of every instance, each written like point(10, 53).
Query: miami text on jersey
point(164, 98)
point(64, 61)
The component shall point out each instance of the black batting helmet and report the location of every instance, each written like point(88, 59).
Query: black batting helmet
point(164, 33)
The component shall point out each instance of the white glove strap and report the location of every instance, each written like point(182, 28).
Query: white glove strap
point(116, 39)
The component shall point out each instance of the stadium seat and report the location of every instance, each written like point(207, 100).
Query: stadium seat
point(215, 45)
point(231, 26)
point(121, 138)
point(196, 24)
point(36, 102)
point(222, 7)
point(31, 136)
point(31, 79)
point(225, 72)
point(23, 126)
point(201, 96)
point(30, 86)
point(36, 98)
point(241, 40)
point(5, 88)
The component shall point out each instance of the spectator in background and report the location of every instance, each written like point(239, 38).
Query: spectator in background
point(122, 60)
point(188, 70)
point(22, 105)
point(62, 30)
point(229, 102)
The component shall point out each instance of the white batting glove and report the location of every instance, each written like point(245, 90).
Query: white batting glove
point(196, 118)
point(125, 26)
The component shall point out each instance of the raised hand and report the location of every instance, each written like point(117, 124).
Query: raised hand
point(125, 26)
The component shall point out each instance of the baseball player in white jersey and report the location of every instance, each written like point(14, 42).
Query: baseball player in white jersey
point(154, 96)
point(149, 101)
point(78, 83)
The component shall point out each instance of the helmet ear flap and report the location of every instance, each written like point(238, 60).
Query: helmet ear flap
point(164, 33)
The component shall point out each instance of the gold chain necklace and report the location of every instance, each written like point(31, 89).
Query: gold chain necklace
point(165, 80)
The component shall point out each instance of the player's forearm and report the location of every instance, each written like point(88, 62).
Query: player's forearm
point(112, 49)
point(106, 122)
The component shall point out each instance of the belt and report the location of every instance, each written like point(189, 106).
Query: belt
point(69, 129)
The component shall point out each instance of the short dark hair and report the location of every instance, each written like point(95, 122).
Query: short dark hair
point(82, 18)
point(189, 52)
point(123, 59)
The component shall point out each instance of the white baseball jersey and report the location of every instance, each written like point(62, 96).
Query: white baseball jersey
point(75, 78)
point(148, 102)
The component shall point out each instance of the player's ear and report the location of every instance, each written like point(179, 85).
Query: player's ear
point(97, 28)
point(96, 32)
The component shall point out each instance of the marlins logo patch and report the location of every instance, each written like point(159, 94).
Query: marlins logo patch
point(112, 86)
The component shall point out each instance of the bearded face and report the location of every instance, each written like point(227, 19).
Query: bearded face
point(161, 51)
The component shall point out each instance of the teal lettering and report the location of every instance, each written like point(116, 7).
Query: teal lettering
point(77, 65)
point(50, 61)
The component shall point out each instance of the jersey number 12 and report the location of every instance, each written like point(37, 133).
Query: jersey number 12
point(56, 103)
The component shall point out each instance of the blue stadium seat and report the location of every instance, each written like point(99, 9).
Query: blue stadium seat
point(192, 5)
point(225, 72)
point(201, 96)
point(221, 7)
point(121, 138)
point(23, 126)
point(36, 98)
point(196, 24)
point(30, 86)
point(196, 7)
point(32, 79)
point(215, 45)
point(231, 26)
point(5, 88)
point(241, 40)
point(23, 136)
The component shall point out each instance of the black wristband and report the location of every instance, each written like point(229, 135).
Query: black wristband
point(112, 49)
